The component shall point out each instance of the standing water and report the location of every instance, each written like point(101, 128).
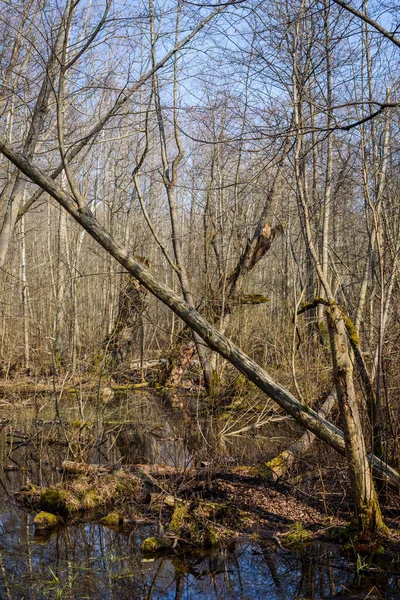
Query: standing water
point(96, 562)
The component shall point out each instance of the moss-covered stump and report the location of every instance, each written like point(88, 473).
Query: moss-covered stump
point(178, 521)
point(153, 545)
point(46, 520)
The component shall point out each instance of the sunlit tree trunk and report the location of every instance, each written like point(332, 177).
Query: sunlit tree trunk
point(24, 299)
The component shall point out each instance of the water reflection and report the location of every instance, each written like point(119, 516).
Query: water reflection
point(134, 428)
point(93, 562)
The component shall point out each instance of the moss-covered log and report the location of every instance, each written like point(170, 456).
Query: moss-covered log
point(100, 492)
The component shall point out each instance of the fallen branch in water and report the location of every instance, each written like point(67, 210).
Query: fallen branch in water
point(278, 466)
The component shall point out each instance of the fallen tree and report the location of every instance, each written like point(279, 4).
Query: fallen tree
point(307, 417)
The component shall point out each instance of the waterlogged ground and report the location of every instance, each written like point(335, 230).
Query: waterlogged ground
point(95, 562)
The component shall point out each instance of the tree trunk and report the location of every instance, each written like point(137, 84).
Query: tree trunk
point(124, 341)
point(24, 299)
point(367, 509)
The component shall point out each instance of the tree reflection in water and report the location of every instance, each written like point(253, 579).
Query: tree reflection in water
point(91, 561)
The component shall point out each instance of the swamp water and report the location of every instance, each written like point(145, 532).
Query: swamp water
point(95, 562)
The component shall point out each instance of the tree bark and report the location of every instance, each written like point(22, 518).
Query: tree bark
point(120, 344)
point(367, 509)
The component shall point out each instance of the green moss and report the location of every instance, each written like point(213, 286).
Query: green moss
point(194, 526)
point(370, 523)
point(205, 536)
point(152, 545)
point(100, 362)
point(322, 329)
point(91, 499)
point(46, 520)
point(351, 330)
point(215, 384)
point(53, 501)
point(275, 467)
point(113, 519)
point(240, 385)
point(345, 534)
point(129, 386)
point(29, 494)
point(178, 518)
point(121, 488)
point(297, 535)
point(211, 538)
point(254, 299)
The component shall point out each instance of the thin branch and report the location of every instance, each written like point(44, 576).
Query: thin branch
point(374, 24)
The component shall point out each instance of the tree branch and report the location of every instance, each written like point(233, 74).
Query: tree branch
point(366, 19)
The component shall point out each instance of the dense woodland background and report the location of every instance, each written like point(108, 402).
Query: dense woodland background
point(272, 134)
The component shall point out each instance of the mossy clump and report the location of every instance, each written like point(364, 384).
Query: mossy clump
point(100, 492)
point(177, 522)
point(91, 499)
point(113, 519)
point(53, 501)
point(297, 535)
point(46, 520)
point(201, 523)
point(152, 545)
